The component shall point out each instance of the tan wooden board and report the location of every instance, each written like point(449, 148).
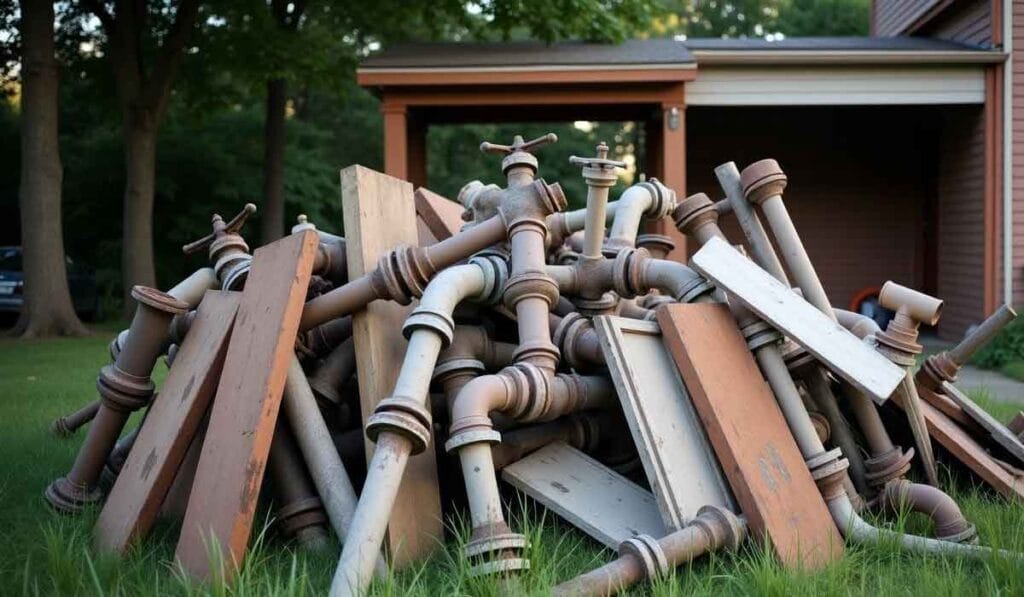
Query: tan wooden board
point(443, 217)
point(749, 434)
point(965, 449)
point(379, 215)
point(998, 432)
point(171, 424)
point(680, 465)
point(829, 342)
point(950, 409)
point(222, 504)
point(591, 496)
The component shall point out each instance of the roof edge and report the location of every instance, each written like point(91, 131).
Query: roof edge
point(733, 57)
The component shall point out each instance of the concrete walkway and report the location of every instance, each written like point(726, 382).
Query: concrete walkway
point(999, 386)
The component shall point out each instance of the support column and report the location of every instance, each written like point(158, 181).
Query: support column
point(416, 149)
point(396, 144)
point(666, 150)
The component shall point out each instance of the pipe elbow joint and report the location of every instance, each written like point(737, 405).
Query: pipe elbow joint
point(950, 524)
point(471, 410)
point(675, 279)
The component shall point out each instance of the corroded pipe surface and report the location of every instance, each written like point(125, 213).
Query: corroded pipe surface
point(299, 511)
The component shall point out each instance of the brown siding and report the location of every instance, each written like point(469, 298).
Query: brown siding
point(893, 17)
point(967, 22)
point(961, 192)
point(1018, 153)
point(857, 200)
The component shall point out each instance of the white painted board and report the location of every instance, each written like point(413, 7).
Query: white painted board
point(834, 346)
point(591, 496)
point(1000, 434)
point(677, 457)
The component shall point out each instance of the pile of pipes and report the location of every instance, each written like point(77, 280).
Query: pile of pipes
point(390, 378)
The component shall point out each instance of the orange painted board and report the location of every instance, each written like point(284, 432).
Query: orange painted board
point(443, 217)
point(227, 483)
point(171, 424)
point(749, 435)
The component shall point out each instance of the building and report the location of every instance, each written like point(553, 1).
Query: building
point(898, 146)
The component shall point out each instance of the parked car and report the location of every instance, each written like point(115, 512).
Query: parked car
point(81, 281)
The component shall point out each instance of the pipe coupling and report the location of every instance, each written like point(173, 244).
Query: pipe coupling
point(761, 180)
point(495, 549)
point(603, 305)
point(827, 470)
point(648, 552)
point(232, 270)
point(657, 245)
point(403, 274)
point(530, 284)
point(760, 333)
point(407, 417)
point(937, 369)
point(301, 514)
point(796, 357)
point(495, 269)
point(722, 528)
point(627, 272)
point(887, 466)
point(567, 336)
point(693, 213)
point(425, 318)
point(530, 389)
point(123, 391)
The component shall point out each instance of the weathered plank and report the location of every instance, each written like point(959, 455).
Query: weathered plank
point(749, 434)
point(379, 215)
point(591, 496)
point(829, 342)
point(949, 408)
point(441, 216)
point(999, 433)
point(222, 504)
point(170, 426)
point(677, 457)
point(969, 452)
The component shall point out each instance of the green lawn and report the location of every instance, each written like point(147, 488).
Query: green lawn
point(42, 553)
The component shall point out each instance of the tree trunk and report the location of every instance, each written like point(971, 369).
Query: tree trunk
point(47, 309)
point(140, 129)
point(272, 213)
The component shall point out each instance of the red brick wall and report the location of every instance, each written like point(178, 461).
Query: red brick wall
point(859, 178)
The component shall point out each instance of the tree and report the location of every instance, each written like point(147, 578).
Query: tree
point(143, 90)
point(47, 309)
point(766, 18)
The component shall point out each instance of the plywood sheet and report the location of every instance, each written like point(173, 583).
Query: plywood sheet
point(441, 216)
point(379, 215)
point(171, 424)
point(227, 483)
point(750, 436)
point(591, 496)
point(829, 342)
point(680, 465)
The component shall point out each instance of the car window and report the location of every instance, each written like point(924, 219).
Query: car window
point(10, 259)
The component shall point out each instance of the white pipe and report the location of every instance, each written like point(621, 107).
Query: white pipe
point(1008, 152)
point(633, 204)
point(325, 466)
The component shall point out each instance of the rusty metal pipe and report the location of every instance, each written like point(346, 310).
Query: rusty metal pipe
point(644, 557)
point(299, 510)
point(859, 325)
point(729, 179)
point(945, 366)
point(651, 200)
point(580, 430)
point(327, 377)
point(950, 524)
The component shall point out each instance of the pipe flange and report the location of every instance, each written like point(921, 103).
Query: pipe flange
point(827, 470)
point(404, 416)
point(627, 272)
point(646, 549)
point(761, 180)
point(224, 242)
point(123, 391)
point(694, 212)
point(658, 245)
point(663, 199)
point(937, 369)
point(69, 497)
point(821, 426)
point(760, 333)
point(237, 275)
point(496, 274)
point(552, 197)
point(495, 543)
point(161, 301)
point(796, 357)
point(473, 436)
point(471, 366)
point(888, 466)
point(501, 566)
point(415, 268)
point(301, 514)
point(532, 386)
point(599, 306)
point(530, 284)
point(901, 340)
point(566, 335)
point(540, 348)
point(722, 526)
point(968, 535)
point(424, 318)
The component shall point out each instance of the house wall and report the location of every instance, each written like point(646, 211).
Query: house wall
point(1018, 152)
point(968, 22)
point(893, 17)
point(858, 183)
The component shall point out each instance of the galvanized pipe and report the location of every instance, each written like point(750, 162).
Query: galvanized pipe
point(650, 199)
point(599, 173)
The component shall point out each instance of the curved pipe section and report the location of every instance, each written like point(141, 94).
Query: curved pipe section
point(651, 199)
point(950, 524)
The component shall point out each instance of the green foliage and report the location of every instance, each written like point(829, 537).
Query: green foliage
point(766, 18)
point(1007, 347)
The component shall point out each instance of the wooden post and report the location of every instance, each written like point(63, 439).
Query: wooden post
point(666, 151)
point(379, 214)
point(396, 143)
point(227, 484)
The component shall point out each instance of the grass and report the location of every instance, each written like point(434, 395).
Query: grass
point(45, 554)
point(1014, 369)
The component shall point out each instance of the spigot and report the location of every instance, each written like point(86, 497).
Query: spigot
point(599, 170)
point(226, 248)
point(519, 153)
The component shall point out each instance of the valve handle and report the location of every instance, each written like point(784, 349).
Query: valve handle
point(220, 229)
point(601, 161)
point(519, 145)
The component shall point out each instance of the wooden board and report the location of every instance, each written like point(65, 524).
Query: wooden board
point(379, 215)
point(441, 216)
point(750, 436)
point(591, 496)
point(950, 409)
point(969, 452)
point(680, 466)
point(829, 342)
point(227, 484)
point(998, 432)
point(171, 424)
